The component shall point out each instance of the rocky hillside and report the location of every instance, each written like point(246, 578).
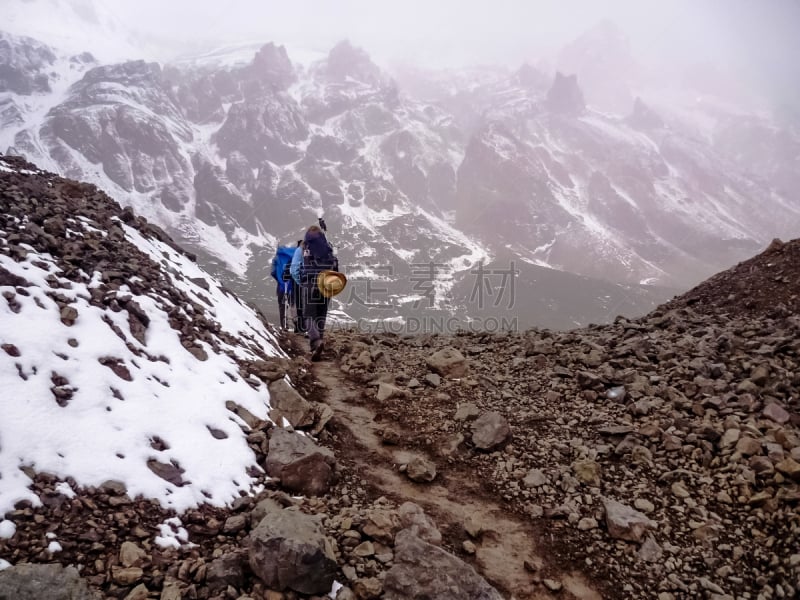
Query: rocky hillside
point(156, 444)
point(232, 153)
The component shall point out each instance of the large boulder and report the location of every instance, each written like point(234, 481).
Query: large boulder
point(288, 403)
point(289, 550)
point(423, 571)
point(301, 465)
point(34, 582)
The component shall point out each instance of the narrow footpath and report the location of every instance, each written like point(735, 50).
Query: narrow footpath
point(507, 551)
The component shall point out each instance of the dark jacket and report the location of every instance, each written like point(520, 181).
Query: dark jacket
point(317, 257)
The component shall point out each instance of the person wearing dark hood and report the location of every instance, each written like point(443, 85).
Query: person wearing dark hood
point(318, 257)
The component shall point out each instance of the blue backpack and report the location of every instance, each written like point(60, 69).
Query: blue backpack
point(283, 258)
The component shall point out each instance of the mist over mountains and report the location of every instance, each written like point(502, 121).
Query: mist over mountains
point(589, 176)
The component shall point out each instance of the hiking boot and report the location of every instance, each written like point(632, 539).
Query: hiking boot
point(316, 351)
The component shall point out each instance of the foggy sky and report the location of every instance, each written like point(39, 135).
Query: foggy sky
point(757, 40)
point(481, 31)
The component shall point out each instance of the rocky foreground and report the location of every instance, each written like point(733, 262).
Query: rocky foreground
point(649, 458)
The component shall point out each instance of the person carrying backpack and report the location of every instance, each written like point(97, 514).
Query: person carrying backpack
point(318, 258)
point(283, 257)
point(293, 268)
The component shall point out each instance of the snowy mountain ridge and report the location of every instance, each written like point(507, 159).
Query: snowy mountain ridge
point(236, 157)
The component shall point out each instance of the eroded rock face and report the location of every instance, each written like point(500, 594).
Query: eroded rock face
point(423, 571)
point(289, 550)
point(23, 65)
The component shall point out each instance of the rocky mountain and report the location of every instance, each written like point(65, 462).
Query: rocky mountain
point(421, 179)
point(158, 440)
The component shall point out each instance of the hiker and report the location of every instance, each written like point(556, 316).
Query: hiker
point(283, 257)
point(294, 274)
point(318, 259)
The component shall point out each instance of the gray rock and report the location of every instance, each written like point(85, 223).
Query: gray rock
point(413, 518)
point(490, 430)
point(171, 590)
point(624, 522)
point(421, 469)
point(35, 582)
point(300, 464)
point(776, 412)
point(422, 571)
point(288, 403)
point(448, 362)
point(288, 550)
point(387, 391)
point(130, 555)
point(650, 551)
point(140, 592)
point(587, 471)
point(433, 379)
point(535, 478)
point(466, 410)
point(226, 570)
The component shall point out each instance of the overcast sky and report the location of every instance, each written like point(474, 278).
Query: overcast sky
point(479, 30)
point(758, 39)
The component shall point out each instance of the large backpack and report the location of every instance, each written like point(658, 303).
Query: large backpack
point(283, 262)
point(313, 265)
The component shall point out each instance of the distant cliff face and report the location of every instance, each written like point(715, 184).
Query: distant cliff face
point(499, 168)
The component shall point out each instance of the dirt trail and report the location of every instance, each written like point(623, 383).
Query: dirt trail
point(507, 542)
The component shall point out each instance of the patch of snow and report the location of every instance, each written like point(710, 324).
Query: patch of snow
point(334, 589)
point(7, 529)
point(64, 489)
point(172, 534)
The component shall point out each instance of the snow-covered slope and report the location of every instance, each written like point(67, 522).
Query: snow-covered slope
point(120, 359)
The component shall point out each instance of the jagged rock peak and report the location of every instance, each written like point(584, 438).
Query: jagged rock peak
point(530, 77)
point(345, 60)
point(565, 96)
point(272, 62)
point(23, 61)
point(644, 117)
point(133, 72)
